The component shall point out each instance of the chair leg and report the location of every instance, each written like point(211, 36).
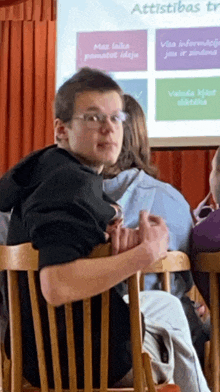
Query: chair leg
point(5, 368)
point(148, 372)
point(166, 282)
point(207, 359)
point(207, 363)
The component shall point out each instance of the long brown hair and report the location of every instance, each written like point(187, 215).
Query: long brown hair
point(135, 149)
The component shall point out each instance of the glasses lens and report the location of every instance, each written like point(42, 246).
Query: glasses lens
point(94, 120)
point(124, 116)
point(118, 118)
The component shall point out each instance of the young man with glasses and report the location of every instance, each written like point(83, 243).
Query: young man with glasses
point(59, 205)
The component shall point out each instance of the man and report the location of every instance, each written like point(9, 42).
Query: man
point(58, 205)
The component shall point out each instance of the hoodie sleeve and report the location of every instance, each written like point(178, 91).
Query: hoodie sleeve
point(63, 217)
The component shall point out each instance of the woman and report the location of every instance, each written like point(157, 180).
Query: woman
point(132, 183)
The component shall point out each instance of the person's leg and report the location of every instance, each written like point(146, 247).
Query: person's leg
point(164, 316)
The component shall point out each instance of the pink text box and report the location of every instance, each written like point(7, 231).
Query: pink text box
point(112, 50)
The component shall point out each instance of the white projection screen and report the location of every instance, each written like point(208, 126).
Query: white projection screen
point(164, 53)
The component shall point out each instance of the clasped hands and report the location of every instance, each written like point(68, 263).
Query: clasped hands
point(152, 235)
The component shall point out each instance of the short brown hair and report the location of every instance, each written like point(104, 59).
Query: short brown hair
point(86, 79)
point(135, 149)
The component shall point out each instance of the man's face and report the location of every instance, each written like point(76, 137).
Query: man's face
point(96, 143)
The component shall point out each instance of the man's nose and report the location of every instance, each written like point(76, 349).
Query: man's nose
point(107, 125)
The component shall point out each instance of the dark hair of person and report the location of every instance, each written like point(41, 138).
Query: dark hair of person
point(86, 79)
point(135, 151)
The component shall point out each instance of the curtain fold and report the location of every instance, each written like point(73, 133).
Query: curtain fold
point(38, 10)
point(27, 86)
point(187, 170)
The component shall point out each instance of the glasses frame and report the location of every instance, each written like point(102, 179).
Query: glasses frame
point(101, 118)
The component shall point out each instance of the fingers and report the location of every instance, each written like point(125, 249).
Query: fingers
point(128, 239)
point(106, 236)
point(153, 232)
point(123, 239)
point(156, 221)
point(144, 225)
point(115, 240)
point(133, 238)
point(152, 229)
point(120, 240)
point(146, 221)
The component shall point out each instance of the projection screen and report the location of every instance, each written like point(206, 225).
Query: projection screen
point(166, 54)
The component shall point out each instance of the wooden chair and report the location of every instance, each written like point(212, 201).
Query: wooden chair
point(174, 262)
point(210, 262)
point(24, 258)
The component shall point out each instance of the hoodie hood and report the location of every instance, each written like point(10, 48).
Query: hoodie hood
point(18, 180)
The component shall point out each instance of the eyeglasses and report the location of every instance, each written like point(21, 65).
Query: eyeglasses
point(95, 120)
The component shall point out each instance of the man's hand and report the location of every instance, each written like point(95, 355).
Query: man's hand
point(153, 235)
point(123, 238)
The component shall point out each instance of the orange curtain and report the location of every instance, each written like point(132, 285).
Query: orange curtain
point(27, 85)
point(27, 79)
point(38, 10)
point(187, 169)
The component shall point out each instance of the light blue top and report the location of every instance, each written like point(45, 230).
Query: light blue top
point(134, 190)
point(4, 224)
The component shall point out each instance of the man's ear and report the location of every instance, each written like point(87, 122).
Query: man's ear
point(60, 130)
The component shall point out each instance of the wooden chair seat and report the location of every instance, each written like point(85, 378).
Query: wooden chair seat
point(24, 258)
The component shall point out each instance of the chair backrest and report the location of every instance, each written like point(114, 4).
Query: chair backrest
point(174, 262)
point(24, 258)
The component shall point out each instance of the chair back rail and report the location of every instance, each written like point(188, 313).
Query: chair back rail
point(174, 262)
point(87, 345)
point(54, 348)
point(71, 347)
point(208, 262)
point(15, 330)
point(136, 336)
point(38, 331)
point(104, 341)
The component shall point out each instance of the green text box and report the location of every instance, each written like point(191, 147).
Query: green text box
point(188, 99)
